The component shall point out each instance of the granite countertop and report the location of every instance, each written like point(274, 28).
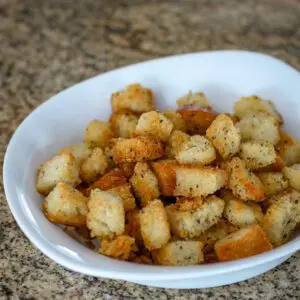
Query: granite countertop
point(47, 46)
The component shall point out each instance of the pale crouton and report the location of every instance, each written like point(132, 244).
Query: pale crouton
point(192, 218)
point(179, 253)
point(292, 174)
point(241, 213)
point(201, 181)
point(65, 205)
point(244, 184)
point(154, 124)
point(133, 226)
point(257, 155)
point(176, 119)
point(193, 99)
point(144, 183)
point(259, 126)
point(243, 243)
point(273, 182)
point(106, 216)
point(141, 148)
point(98, 134)
point(123, 123)
point(135, 98)
point(289, 149)
point(282, 216)
point(155, 228)
point(224, 135)
point(79, 151)
point(175, 142)
point(60, 168)
point(198, 151)
point(94, 165)
point(125, 193)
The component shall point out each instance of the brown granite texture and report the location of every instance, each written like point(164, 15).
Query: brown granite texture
point(46, 46)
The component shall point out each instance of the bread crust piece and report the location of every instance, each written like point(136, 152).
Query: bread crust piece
point(243, 243)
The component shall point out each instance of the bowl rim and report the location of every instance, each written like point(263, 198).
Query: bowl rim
point(169, 273)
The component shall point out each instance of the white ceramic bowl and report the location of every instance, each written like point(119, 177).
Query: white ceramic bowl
point(224, 76)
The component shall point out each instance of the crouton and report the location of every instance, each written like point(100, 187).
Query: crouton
point(133, 226)
point(109, 157)
point(79, 151)
point(144, 183)
point(127, 168)
point(124, 192)
point(289, 149)
point(244, 184)
point(141, 148)
point(276, 166)
point(135, 98)
point(154, 124)
point(179, 253)
point(273, 182)
point(60, 168)
point(198, 151)
point(65, 205)
point(193, 99)
point(201, 181)
point(176, 142)
point(176, 119)
point(192, 218)
point(259, 126)
point(224, 135)
point(165, 171)
point(243, 243)
point(155, 228)
point(282, 216)
point(257, 155)
point(123, 123)
point(292, 174)
point(98, 134)
point(106, 216)
point(94, 165)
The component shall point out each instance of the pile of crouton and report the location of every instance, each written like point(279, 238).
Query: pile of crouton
point(181, 187)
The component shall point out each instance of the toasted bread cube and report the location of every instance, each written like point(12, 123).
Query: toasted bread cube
point(135, 98)
point(259, 126)
point(65, 205)
point(176, 119)
point(175, 143)
point(244, 184)
point(257, 155)
point(123, 123)
point(133, 226)
point(94, 165)
point(141, 148)
point(276, 166)
point(109, 157)
point(273, 182)
point(248, 241)
point(128, 168)
point(282, 216)
point(106, 216)
point(98, 134)
point(60, 168)
point(119, 248)
point(154, 124)
point(125, 193)
point(201, 181)
point(144, 183)
point(193, 99)
point(198, 151)
point(289, 149)
point(79, 151)
point(292, 174)
point(256, 104)
point(155, 228)
point(193, 217)
point(224, 135)
point(179, 253)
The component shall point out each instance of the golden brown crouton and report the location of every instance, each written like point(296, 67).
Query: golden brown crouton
point(199, 181)
point(244, 184)
point(106, 216)
point(125, 193)
point(289, 149)
point(133, 226)
point(94, 165)
point(224, 135)
point(292, 174)
point(257, 155)
point(189, 220)
point(273, 182)
point(144, 183)
point(98, 134)
point(79, 151)
point(154, 124)
point(154, 225)
point(176, 119)
point(198, 151)
point(65, 205)
point(127, 168)
point(193, 99)
point(141, 148)
point(123, 123)
point(60, 168)
point(176, 142)
point(179, 253)
point(135, 98)
point(243, 243)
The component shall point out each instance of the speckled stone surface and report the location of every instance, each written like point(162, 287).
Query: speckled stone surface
point(46, 46)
